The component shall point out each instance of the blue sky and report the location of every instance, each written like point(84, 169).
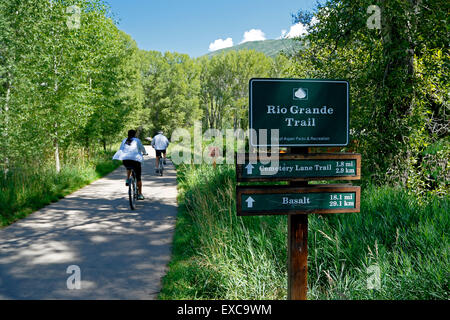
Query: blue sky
point(196, 27)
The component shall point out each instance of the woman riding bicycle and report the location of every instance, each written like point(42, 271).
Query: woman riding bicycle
point(131, 153)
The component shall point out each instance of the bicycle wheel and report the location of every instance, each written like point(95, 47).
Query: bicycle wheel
point(132, 191)
point(161, 169)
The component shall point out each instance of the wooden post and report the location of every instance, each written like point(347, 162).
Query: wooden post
point(298, 247)
point(297, 256)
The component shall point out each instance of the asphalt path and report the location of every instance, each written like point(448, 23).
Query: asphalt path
point(91, 245)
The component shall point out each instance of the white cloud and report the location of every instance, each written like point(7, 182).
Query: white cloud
point(296, 30)
point(220, 44)
point(253, 35)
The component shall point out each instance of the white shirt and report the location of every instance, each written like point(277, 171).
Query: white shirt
point(160, 142)
point(133, 151)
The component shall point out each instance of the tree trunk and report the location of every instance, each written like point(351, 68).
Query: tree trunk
point(216, 115)
point(138, 132)
point(57, 162)
point(399, 48)
point(55, 140)
point(211, 113)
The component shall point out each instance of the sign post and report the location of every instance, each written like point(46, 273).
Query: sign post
point(297, 256)
point(298, 247)
point(306, 113)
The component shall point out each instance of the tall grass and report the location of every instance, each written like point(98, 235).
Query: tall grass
point(218, 255)
point(24, 190)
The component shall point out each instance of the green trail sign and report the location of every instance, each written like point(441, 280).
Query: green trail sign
point(292, 200)
point(306, 112)
point(289, 167)
point(297, 113)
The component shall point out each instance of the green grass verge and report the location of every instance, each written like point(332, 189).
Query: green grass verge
point(24, 191)
point(217, 255)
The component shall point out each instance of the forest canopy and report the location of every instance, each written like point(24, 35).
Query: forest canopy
point(69, 85)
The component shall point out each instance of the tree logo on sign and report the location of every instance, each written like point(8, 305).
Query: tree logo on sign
point(300, 94)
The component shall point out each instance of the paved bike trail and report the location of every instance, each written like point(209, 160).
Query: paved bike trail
point(121, 254)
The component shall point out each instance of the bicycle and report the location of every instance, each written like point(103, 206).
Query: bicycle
point(133, 190)
point(160, 170)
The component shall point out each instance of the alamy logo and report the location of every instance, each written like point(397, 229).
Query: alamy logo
point(300, 94)
point(373, 277)
point(74, 20)
point(74, 281)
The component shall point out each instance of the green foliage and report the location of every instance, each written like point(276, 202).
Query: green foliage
point(407, 240)
point(179, 90)
point(62, 86)
point(398, 80)
point(430, 173)
point(171, 86)
point(218, 255)
point(224, 86)
point(118, 89)
point(25, 190)
point(64, 91)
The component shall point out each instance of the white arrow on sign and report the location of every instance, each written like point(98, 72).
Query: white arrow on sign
point(250, 201)
point(249, 168)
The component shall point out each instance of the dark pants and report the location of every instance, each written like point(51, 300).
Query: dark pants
point(159, 152)
point(135, 165)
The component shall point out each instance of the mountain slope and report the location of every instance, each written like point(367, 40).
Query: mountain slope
point(270, 48)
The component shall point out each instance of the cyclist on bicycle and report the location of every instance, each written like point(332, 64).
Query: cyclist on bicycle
point(160, 144)
point(131, 153)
